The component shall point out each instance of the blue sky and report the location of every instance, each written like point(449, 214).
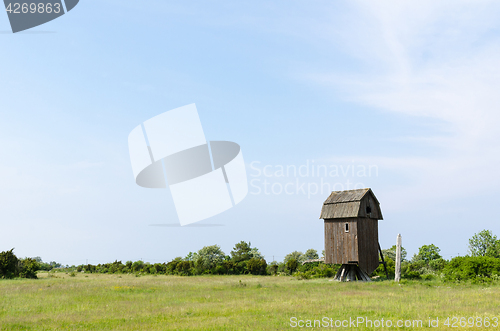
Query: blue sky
point(410, 88)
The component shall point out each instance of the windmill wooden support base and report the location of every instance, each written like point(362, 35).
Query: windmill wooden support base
point(351, 273)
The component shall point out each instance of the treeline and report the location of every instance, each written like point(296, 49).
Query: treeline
point(481, 265)
point(243, 259)
point(12, 267)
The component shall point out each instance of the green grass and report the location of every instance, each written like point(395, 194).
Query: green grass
point(126, 302)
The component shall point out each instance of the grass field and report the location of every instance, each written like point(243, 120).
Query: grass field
point(126, 302)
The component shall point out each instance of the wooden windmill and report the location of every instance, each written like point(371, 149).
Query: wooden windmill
point(351, 233)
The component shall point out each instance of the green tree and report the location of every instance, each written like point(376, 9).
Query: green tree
point(209, 257)
point(298, 256)
point(484, 243)
point(257, 266)
point(292, 265)
point(191, 257)
point(391, 253)
point(8, 264)
point(254, 252)
point(427, 253)
point(241, 252)
point(311, 254)
point(28, 268)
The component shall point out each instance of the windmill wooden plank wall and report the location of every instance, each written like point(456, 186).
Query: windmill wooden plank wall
point(351, 228)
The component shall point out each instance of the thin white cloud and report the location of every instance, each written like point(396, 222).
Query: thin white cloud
point(437, 60)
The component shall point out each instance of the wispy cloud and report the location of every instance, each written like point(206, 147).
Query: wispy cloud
point(435, 60)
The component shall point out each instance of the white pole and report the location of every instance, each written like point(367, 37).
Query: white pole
point(397, 278)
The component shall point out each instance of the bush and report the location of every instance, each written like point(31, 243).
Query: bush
point(11, 266)
point(472, 268)
point(324, 270)
point(90, 268)
point(115, 267)
point(219, 270)
point(272, 268)
point(438, 265)
point(308, 266)
point(316, 270)
point(240, 268)
point(8, 264)
point(411, 274)
point(137, 266)
point(28, 268)
point(391, 268)
point(428, 277)
point(282, 268)
point(414, 270)
point(302, 275)
point(257, 266)
point(183, 268)
point(160, 268)
point(292, 265)
point(171, 266)
point(229, 266)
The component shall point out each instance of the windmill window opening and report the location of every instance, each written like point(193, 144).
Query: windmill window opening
point(347, 227)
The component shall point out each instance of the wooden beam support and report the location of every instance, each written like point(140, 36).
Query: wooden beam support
point(383, 262)
point(351, 273)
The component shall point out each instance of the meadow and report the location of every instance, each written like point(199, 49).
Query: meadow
point(59, 301)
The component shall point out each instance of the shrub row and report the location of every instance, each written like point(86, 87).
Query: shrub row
point(12, 267)
point(243, 259)
point(476, 269)
point(179, 267)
